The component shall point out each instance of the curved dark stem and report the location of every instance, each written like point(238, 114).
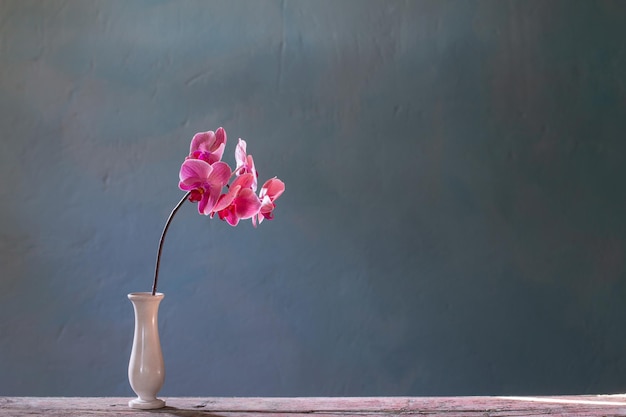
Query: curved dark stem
point(167, 225)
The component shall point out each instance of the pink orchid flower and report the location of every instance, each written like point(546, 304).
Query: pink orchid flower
point(204, 181)
point(270, 191)
point(208, 146)
point(245, 163)
point(239, 202)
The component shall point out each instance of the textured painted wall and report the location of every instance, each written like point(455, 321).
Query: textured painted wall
point(454, 215)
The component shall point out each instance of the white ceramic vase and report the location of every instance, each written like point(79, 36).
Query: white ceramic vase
point(146, 370)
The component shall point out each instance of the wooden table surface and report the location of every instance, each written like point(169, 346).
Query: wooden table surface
point(582, 406)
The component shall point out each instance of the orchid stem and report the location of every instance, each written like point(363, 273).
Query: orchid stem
point(167, 225)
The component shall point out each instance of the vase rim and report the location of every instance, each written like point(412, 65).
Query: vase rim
point(145, 296)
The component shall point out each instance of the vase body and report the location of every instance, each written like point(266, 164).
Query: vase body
point(146, 369)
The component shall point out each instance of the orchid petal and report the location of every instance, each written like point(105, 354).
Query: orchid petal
point(232, 220)
point(230, 217)
point(202, 204)
point(217, 154)
point(193, 173)
point(266, 205)
point(252, 170)
point(226, 200)
point(212, 196)
point(245, 181)
point(247, 204)
point(272, 188)
point(202, 141)
point(194, 168)
point(220, 174)
point(220, 135)
point(220, 141)
point(240, 153)
point(189, 186)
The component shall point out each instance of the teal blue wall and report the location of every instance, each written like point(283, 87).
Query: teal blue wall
point(453, 221)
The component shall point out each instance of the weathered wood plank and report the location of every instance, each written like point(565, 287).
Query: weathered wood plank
point(574, 406)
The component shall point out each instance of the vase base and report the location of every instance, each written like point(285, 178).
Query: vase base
point(146, 405)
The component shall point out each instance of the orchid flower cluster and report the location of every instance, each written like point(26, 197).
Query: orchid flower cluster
point(203, 175)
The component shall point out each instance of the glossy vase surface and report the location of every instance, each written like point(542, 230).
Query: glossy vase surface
point(146, 369)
